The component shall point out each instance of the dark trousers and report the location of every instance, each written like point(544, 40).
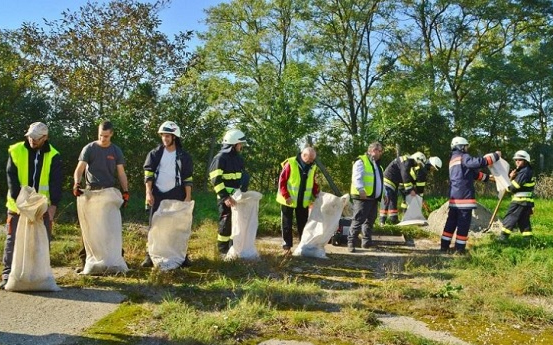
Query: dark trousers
point(365, 213)
point(287, 216)
point(176, 193)
point(518, 214)
point(11, 226)
point(457, 220)
point(225, 227)
point(388, 207)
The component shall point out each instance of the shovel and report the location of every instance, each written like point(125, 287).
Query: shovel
point(501, 195)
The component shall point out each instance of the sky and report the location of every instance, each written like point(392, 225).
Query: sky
point(181, 15)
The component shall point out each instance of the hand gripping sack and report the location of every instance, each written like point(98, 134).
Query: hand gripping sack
point(31, 269)
point(323, 221)
point(169, 234)
point(101, 227)
point(244, 225)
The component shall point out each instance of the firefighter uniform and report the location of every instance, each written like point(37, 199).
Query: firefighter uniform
point(463, 171)
point(522, 202)
point(400, 173)
point(227, 175)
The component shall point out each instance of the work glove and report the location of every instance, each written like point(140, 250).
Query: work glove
point(77, 190)
point(126, 197)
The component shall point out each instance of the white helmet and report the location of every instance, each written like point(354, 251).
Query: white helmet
point(169, 127)
point(436, 162)
point(458, 141)
point(522, 155)
point(234, 136)
point(419, 157)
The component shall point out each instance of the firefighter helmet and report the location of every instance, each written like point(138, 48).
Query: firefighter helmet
point(436, 162)
point(522, 155)
point(169, 127)
point(234, 136)
point(419, 157)
point(459, 142)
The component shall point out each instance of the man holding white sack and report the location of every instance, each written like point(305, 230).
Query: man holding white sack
point(297, 189)
point(35, 163)
point(227, 174)
point(167, 174)
point(102, 162)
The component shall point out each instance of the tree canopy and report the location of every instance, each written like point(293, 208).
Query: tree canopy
point(342, 73)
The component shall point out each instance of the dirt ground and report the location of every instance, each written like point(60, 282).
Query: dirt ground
point(58, 317)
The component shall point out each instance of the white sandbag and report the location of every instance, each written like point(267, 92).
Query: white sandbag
point(322, 223)
point(31, 269)
point(100, 220)
point(244, 225)
point(169, 234)
point(500, 171)
point(413, 215)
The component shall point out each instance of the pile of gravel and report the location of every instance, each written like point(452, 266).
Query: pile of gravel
point(480, 220)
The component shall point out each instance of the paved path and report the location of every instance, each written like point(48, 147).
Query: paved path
point(48, 318)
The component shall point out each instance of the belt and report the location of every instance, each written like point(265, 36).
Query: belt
point(95, 187)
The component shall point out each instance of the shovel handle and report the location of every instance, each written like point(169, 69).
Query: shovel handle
point(495, 211)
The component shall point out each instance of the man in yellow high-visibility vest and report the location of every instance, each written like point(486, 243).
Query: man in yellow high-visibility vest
point(35, 163)
point(367, 189)
point(297, 189)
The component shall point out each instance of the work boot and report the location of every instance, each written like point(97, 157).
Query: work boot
point(3, 284)
point(351, 247)
point(147, 261)
point(460, 249)
point(223, 247)
point(186, 262)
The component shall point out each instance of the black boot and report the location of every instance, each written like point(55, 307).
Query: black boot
point(223, 247)
point(186, 262)
point(147, 261)
point(444, 246)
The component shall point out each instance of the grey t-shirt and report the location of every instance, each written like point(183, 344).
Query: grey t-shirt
point(102, 163)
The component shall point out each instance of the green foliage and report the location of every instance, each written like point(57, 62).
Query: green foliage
point(448, 291)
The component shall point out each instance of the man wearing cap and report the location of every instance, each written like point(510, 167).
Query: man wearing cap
point(35, 163)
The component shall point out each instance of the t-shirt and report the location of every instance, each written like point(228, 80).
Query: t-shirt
point(166, 179)
point(102, 163)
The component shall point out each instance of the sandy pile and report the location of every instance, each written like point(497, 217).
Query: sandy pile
point(480, 220)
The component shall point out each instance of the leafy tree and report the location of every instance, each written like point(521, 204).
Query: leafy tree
point(347, 41)
point(251, 51)
point(21, 101)
point(94, 57)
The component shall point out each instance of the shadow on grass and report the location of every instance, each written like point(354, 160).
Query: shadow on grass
point(108, 338)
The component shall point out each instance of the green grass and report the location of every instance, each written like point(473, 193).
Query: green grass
point(478, 297)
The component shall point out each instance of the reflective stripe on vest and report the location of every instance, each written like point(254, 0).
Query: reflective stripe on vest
point(527, 195)
point(368, 177)
point(20, 158)
point(293, 184)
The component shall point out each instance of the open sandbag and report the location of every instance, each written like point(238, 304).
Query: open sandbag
point(169, 234)
point(321, 225)
point(500, 171)
point(31, 269)
point(413, 215)
point(101, 227)
point(244, 225)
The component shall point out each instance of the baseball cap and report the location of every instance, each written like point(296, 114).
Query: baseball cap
point(37, 130)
